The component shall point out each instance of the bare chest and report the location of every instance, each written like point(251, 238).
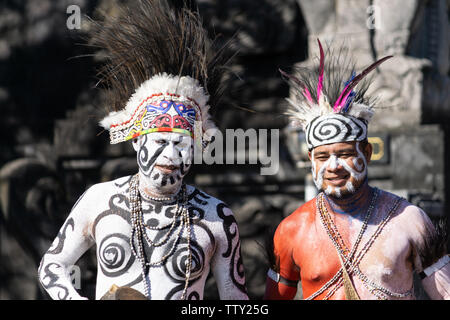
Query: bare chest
point(380, 256)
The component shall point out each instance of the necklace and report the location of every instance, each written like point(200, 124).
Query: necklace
point(139, 233)
point(145, 196)
point(333, 233)
point(376, 289)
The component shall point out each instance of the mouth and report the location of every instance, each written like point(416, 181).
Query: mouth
point(167, 168)
point(337, 180)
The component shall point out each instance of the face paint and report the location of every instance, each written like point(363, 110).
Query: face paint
point(357, 171)
point(163, 159)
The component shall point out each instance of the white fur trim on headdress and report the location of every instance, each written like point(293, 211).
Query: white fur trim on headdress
point(171, 88)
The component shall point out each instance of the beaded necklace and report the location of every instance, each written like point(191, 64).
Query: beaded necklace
point(376, 289)
point(333, 234)
point(139, 233)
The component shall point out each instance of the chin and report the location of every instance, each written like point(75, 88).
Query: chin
point(344, 191)
point(340, 192)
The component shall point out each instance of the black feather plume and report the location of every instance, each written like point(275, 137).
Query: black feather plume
point(434, 245)
point(272, 261)
point(149, 37)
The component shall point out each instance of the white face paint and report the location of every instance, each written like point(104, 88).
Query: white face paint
point(356, 167)
point(164, 158)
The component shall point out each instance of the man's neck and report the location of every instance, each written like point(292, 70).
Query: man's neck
point(149, 189)
point(353, 204)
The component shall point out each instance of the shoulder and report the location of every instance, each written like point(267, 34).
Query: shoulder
point(407, 217)
point(108, 188)
point(202, 200)
point(98, 196)
point(300, 218)
point(405, 210)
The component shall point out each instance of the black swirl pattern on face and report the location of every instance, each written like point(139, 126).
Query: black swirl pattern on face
point(62, 237)
point(144, 163)
point(335, 128)
point(233, 251)
point(184, 168)
point(114, 254)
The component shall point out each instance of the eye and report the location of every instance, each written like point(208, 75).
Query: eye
point(346, 155)
point(160, 141)
point(322, 158)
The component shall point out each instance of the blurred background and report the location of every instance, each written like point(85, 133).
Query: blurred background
point(52, 148)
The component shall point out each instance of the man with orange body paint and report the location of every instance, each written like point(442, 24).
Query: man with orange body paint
point(352, 241)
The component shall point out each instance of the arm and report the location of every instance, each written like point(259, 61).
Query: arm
point(436, 279)
point(282, 279)
point(278, 288)
point(430, 259)
point(227, 265)
point(71, 242)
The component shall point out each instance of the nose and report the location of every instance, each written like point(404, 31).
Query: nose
point(333, 164)
point(170, 153)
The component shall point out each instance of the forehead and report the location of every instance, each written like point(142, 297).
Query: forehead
point(336, 147)
point(169, 136)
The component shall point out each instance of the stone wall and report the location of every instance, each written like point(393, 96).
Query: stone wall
point(52, 148)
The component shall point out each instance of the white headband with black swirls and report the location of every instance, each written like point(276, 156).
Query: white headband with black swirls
point(333, 128)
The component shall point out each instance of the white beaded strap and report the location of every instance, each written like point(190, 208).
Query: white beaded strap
point(275, 276)
point(442, 262)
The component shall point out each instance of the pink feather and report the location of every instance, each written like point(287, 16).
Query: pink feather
point(307, 94)
point(349, 87)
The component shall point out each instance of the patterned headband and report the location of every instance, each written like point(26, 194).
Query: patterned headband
point(334, 128)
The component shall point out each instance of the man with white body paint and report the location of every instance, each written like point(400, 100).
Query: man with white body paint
point(152, 232)
point(352, 241)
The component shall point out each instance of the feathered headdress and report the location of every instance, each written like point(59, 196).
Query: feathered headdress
point(327, 106)
point(161, 70)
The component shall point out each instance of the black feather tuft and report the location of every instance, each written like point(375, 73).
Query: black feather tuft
point(149, 37)
point(434, 246)
point(272, 261)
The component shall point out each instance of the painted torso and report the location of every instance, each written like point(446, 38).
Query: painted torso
point(307, 253)
point(102, 217)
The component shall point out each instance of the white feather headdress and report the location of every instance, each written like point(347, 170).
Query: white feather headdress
point(311, 110)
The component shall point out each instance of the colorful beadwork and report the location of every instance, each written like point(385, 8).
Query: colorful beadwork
point(157, 114)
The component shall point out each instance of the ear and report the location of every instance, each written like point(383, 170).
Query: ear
point(310, 155)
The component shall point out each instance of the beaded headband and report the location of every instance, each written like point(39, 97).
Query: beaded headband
point(346, 120)
point(164, 103)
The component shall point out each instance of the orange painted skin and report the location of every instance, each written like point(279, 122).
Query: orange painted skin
point(306, 253)
point(301, 242)
point(314, 258)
